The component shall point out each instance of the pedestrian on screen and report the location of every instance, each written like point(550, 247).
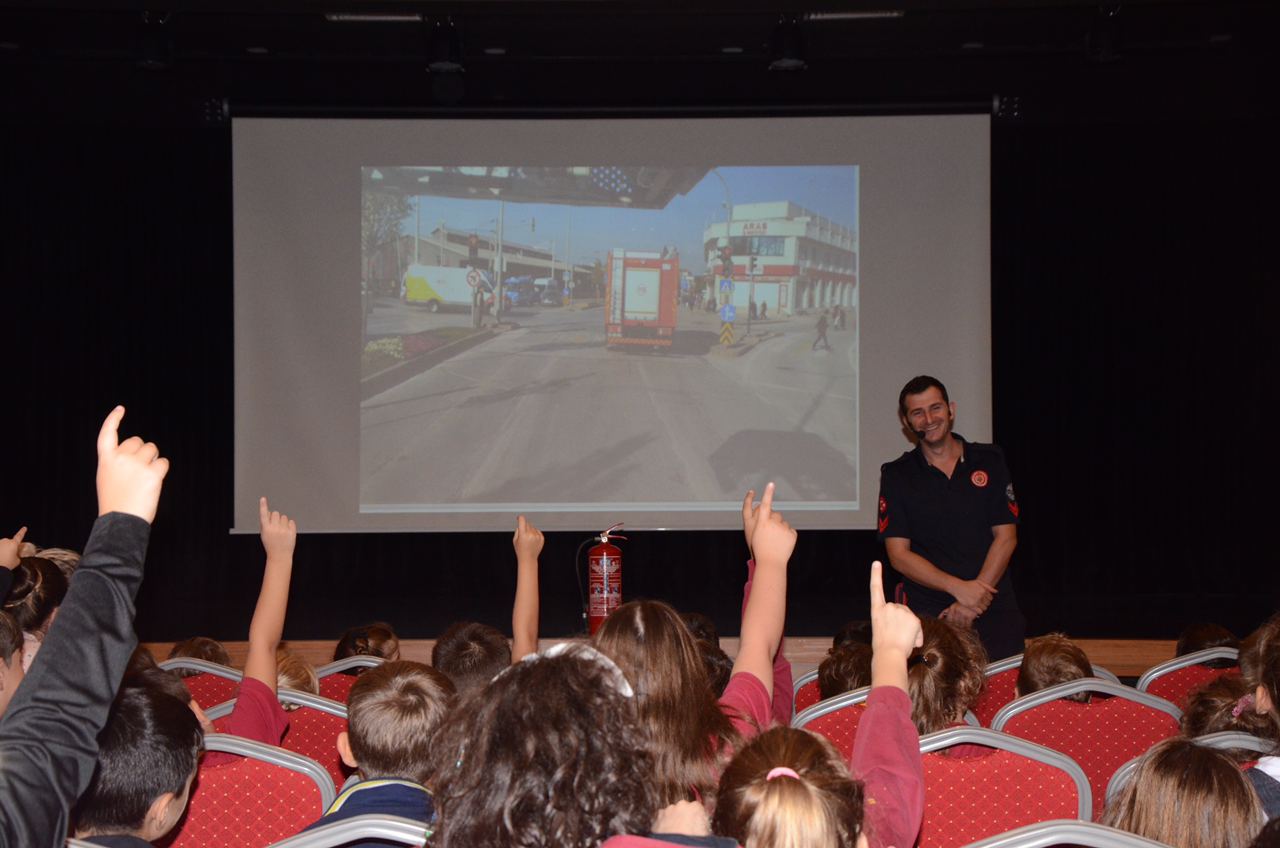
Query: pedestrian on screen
point(764, 308)
point(822, 332)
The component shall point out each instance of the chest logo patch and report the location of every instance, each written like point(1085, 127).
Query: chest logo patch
point(979, 479)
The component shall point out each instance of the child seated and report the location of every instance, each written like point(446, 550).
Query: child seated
point(844, 669)
point(147, 756)
point(369, 640)
point(471, 654)
point(294, 672)
point(11, 671)
point(199, 648)
point(1260, 667)
point(1198, 637)
point(392, 713)
point(1227, 704)
point(38, 589)
point(1049, 660)
point(852, 632)
point(946, 676)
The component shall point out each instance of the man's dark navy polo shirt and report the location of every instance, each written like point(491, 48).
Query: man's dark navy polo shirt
point(948, 521)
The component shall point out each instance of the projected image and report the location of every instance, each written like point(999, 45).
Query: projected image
point(564, 338)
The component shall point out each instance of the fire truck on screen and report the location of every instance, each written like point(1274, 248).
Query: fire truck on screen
point(642, 298)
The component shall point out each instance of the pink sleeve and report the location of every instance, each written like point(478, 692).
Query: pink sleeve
point(746, 703)
point(886, 758)
point(257, 715)
point(783, 683)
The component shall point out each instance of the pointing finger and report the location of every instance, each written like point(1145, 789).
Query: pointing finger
point(264, 513)
point(766, 502)
point(747, 501)
point(109, 435)
point(19, 536)
point(877, 586)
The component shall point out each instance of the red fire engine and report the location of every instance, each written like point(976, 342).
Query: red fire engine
point(642, 298)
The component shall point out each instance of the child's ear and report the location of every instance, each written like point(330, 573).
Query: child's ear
point(344, 750)
point(1262, 700)
point(161, 817)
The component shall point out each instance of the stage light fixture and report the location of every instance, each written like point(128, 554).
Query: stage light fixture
point(788, 46)
point(444, 47)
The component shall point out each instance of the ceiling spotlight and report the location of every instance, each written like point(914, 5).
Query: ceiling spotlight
point(787, 46)
point(444, 47)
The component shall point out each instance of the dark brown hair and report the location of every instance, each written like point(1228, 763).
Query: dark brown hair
point(1187, 795)
point(1052, 659)
point(945, 675)
point(1260, 663)
point(689, 734)
point(919, 385)
point(1198, 637)
point(199, 648)
point(377, 639)
point(852, 631)
point(392, 713)
point(38, 588)
point(1226, 703)
point(719, 665)
point(471, 653)
point(10, 639)
point(821, 806)
point(549, 754)
point(843, 669)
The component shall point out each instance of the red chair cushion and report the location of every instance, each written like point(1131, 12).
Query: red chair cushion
point(971, 798)
point(1101, 736)
point(1176, 686)
point(210, 689)
point(808, 695)
point(840, 727)
point(1000, 689)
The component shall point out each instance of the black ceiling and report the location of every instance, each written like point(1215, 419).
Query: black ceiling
point(197, 61)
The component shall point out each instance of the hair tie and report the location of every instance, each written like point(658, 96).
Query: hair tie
point(781, 771)
point(1245, 703)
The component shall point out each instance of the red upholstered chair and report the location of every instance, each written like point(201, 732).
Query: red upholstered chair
point(336, 678)
point(1174, 680)
point(1100, 735)
point(806, 692)
point(1226, 740)
point(1017, 783)
point(313, 729)
point(266, 796)
point(1002, 686)
point(1067, 833)
point(389, 829)
point(214, 683)
point(836, 718)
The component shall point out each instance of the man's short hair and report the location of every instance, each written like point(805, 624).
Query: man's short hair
point(149, 746)
point(392, 713)
point(10, 639)
point(918, 385)
point(470, 654)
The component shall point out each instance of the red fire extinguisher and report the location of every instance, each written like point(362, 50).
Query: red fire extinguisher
point(604, 580)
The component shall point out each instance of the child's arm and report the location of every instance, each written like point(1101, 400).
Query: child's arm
point(279, 535)
point(524, 612)
point(772, 541)
point(783, 682)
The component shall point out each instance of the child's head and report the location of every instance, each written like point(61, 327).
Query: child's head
point(1260, 667)
point(199, 648)
point(853, 631)
point(147, 755)
point(719, 666)
point(552, 753)
point(945, 675)
point(701, 626)
point(1187, 795)
point(66, 559)
point(392, 712)
point(1227, 703)
point(371, 640)
point(844, 669)
point(788, 787)
point(471, 654)
point(1198, 637)
point(38, 588)
point(650, 643)
point(1052, 659)
point(293, 672)
point(11, 672)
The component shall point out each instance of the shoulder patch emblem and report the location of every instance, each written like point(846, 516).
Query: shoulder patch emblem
point(1008, 492)
point(979, 478)
point(884, 505)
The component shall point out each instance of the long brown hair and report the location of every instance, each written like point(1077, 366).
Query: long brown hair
point(1187, 795)
point(689, 735)
point(38, 589)
point(819, 805)
point(1226, 703)
point(945, 675)
point(1260, 663)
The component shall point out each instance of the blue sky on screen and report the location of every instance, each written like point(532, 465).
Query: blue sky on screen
point(593, 231)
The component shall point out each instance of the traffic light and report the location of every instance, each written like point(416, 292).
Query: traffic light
point(726, 258)
point(473, 249)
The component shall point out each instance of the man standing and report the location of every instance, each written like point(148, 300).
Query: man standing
point(948, 520)
point(822, 332)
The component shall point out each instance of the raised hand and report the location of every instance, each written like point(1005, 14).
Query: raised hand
point(749, 516)
point(772, 538)
point(130, 473)
point(894, 627)
point(527, 540)
point(11, 550)
point(279, 532)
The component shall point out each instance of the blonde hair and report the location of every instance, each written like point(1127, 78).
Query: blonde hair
point(293, 672)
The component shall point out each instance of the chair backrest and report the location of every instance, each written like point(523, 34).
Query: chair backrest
point(337, 687)
point(392, 829)
point(213, 683)
point(265, 796)
point(348, 664)
point(1099, 735)
point(1226, 740)
point(806, 692)
point(1067, 832)
point(836, 718)
point(1015, 784)
point(1002, 686)
point(1174, 680)
point(313, 728)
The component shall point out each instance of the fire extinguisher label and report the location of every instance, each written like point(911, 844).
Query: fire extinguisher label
point(606, 588)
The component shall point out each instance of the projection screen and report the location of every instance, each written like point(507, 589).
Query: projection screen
point(442, 323)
